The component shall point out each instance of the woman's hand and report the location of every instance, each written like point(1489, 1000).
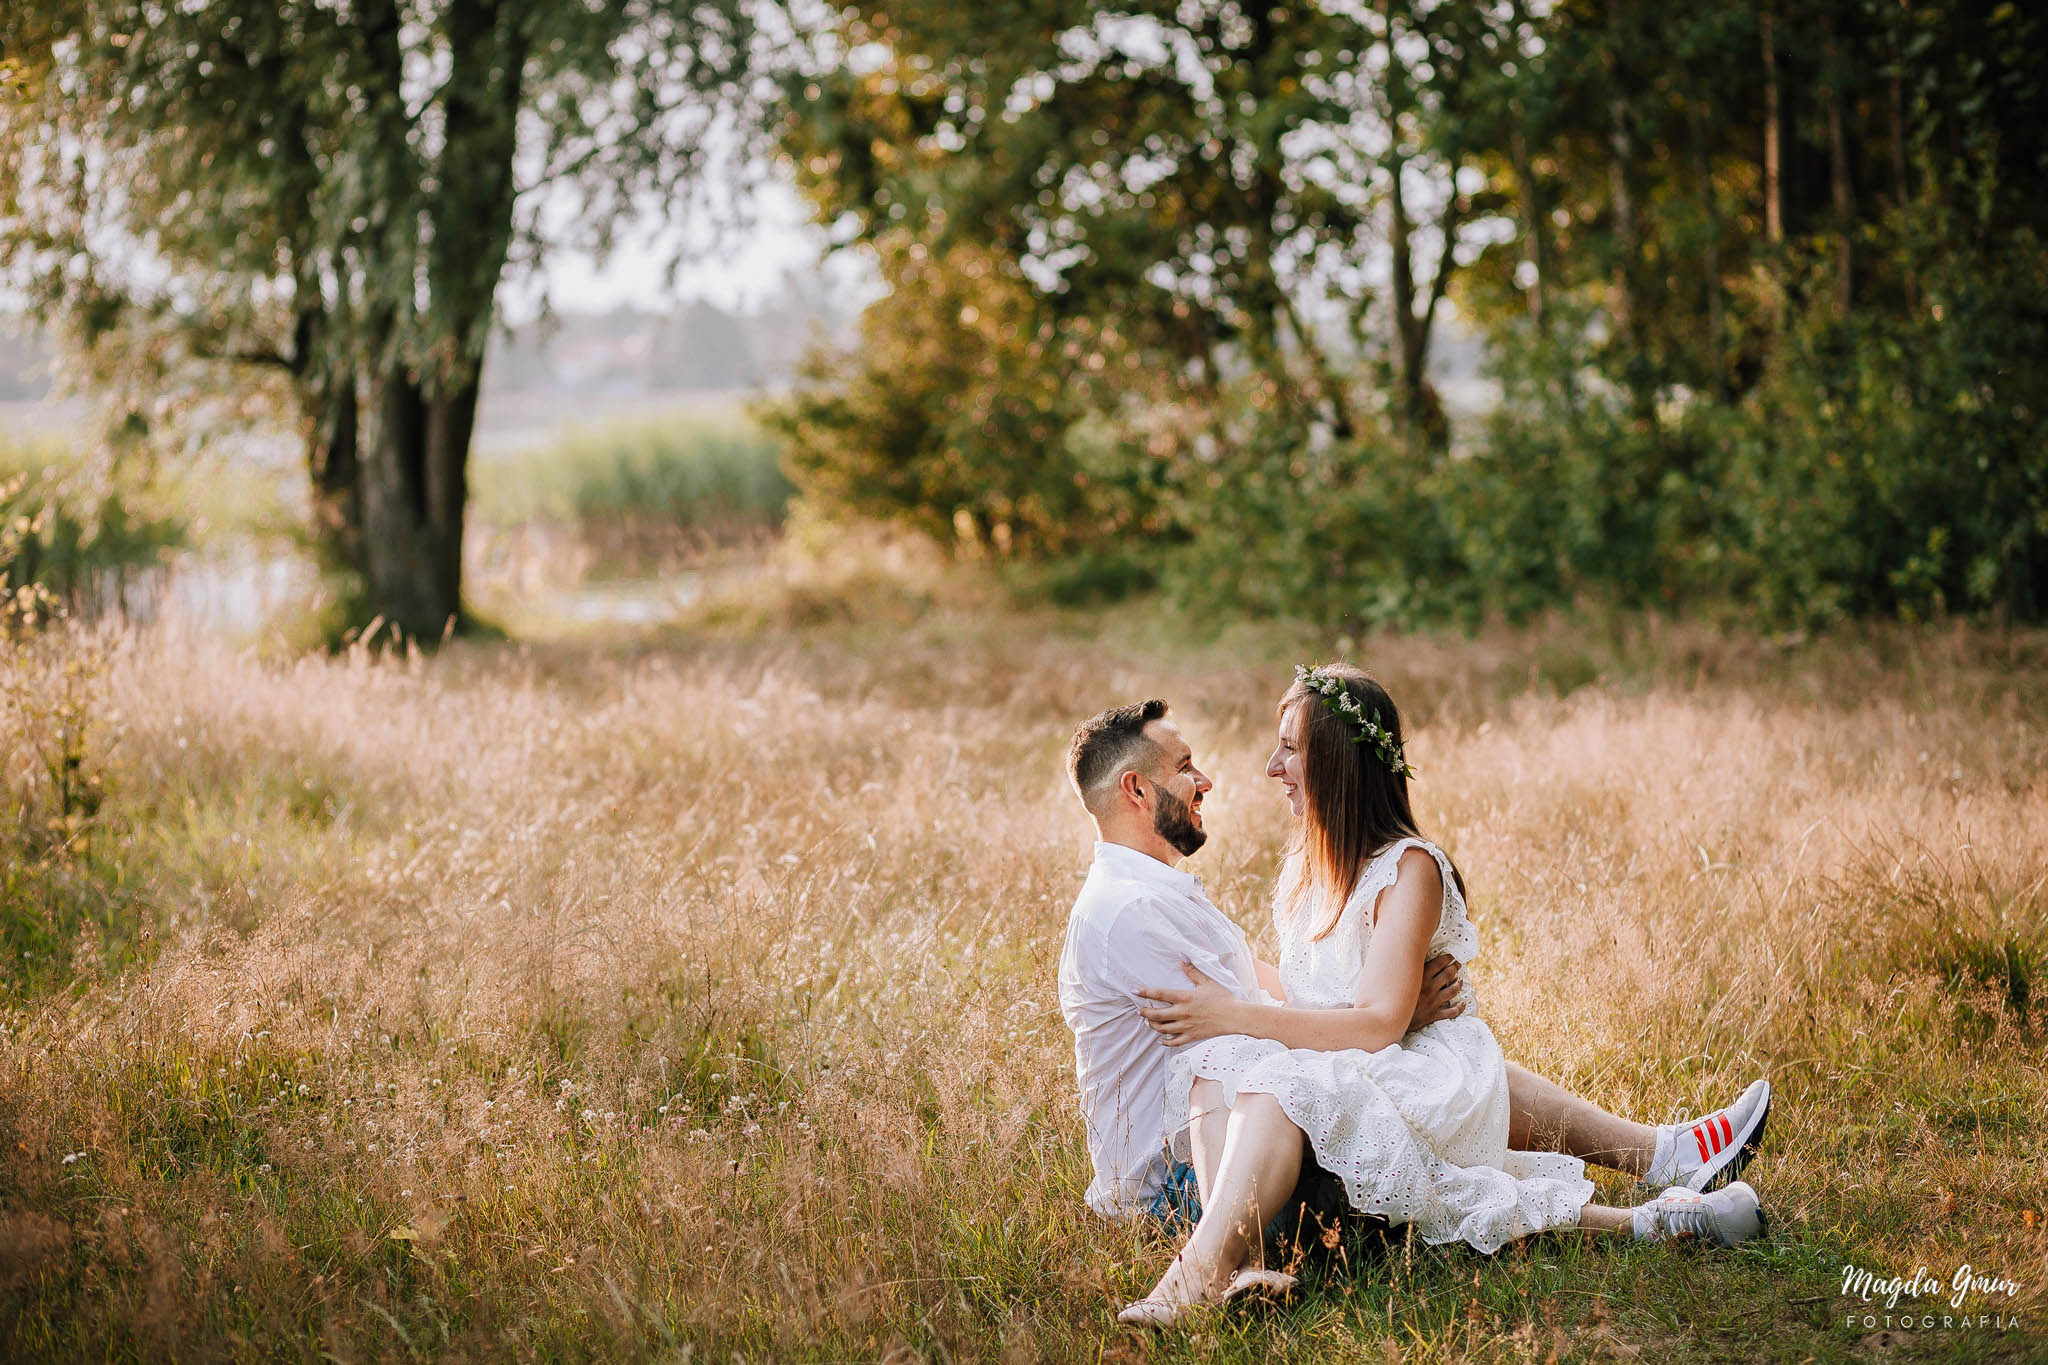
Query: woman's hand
point(1183, 1017)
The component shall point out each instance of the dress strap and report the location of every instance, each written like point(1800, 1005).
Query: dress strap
point(1453, 928)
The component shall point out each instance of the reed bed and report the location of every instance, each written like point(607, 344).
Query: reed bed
point(694, 998)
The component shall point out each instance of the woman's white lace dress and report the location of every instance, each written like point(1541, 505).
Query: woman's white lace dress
point(1418, 1132)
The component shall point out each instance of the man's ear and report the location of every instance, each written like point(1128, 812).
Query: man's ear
point(1132, 787)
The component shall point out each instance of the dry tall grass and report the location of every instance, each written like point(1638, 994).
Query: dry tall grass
point(581, 1002)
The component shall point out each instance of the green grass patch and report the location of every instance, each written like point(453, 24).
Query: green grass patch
point(643, 494)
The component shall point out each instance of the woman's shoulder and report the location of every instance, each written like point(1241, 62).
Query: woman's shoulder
point(1384, 869)
point(1418, 858)
point(1387, 862)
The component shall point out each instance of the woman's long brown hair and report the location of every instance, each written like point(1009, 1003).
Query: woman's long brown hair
point(1354, 804)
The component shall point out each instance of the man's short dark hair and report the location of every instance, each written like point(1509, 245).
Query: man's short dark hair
point(1108, 745)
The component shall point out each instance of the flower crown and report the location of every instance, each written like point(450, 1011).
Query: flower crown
point(1341, 702)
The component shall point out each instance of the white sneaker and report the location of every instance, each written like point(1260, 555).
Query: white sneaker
point(1707, 1153)
point(1724, 1217)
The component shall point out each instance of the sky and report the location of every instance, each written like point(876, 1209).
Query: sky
point(739, 274)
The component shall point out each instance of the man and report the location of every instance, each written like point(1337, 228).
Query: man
point(1139, 918)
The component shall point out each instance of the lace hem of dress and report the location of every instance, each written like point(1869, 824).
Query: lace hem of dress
point(1388, 1169)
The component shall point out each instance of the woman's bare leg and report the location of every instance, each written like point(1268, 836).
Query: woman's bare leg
point(1262, 1154)
point(1543, 1116)
point(1208, 1129)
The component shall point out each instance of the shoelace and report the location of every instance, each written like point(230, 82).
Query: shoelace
point(1686, 1220)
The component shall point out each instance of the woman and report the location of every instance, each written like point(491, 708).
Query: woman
point(1414, 1127)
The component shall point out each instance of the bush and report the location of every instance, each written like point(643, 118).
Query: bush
point(76, 529)
point(1891, 463)
point(973, 414)
point(1896, 465)
point(1354, 532)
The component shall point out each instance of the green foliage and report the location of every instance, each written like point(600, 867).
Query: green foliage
point(1885, 464)
point(1896, 464)
point(688, 471)
point(310, 206)
point(953, 415)
point(59, 877)
point(71, 528)
point(1801, 382)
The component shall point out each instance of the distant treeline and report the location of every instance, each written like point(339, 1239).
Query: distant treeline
point(1763, 287)
point(623, 352)
point(698, 346)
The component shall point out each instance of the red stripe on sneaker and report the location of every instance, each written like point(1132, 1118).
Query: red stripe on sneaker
point(1727, 1133)
point(1701, 1139)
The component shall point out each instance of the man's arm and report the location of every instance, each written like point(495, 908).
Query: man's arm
point(1397, 991)
point(1148, 950)
point(1389, 983)
point(1443, 993)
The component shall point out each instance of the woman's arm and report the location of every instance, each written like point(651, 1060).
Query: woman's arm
point(1389, 985)
point(1269, 979)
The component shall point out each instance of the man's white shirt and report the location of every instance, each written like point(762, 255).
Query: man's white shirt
point(1136, 920)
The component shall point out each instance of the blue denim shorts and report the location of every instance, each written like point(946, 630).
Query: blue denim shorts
point(1179, 1200)
point(1319, 1203)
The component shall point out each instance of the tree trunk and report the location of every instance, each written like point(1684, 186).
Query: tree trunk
point(1621, 149)
point(1407, 345)
point(1774, 200)
point(1628, 319)
point(1420, 411)
point(412, 475)
point(1901, 185)
point(1841, 193)
point(1535, 239)
point(1710, 263)
point(412, 482)
point(1416, 404)
point(332, 445)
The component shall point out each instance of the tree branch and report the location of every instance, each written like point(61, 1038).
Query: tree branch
point(1446, 260)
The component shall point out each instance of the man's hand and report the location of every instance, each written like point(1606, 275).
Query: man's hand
point(1441, 988)
point(1183, 1017)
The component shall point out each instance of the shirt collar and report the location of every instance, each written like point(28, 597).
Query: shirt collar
point(1126, 861)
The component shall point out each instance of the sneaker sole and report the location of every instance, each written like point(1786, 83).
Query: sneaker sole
point(1736, 1156)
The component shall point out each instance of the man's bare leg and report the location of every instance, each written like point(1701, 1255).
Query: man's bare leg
point(1545, 1117)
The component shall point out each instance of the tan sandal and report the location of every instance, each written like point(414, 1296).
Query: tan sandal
point(1275, 1286)
point(1248, 1285)
point(1156, 1313)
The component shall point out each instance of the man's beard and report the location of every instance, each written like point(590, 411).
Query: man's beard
point(1174, 821)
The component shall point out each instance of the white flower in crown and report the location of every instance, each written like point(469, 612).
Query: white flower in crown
point(1342, 703)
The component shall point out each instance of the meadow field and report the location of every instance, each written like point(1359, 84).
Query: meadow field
point(689, 994)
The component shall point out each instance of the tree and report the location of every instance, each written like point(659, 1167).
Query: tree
point(320, 196)
point(1216, 179)
point(1762, 285)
